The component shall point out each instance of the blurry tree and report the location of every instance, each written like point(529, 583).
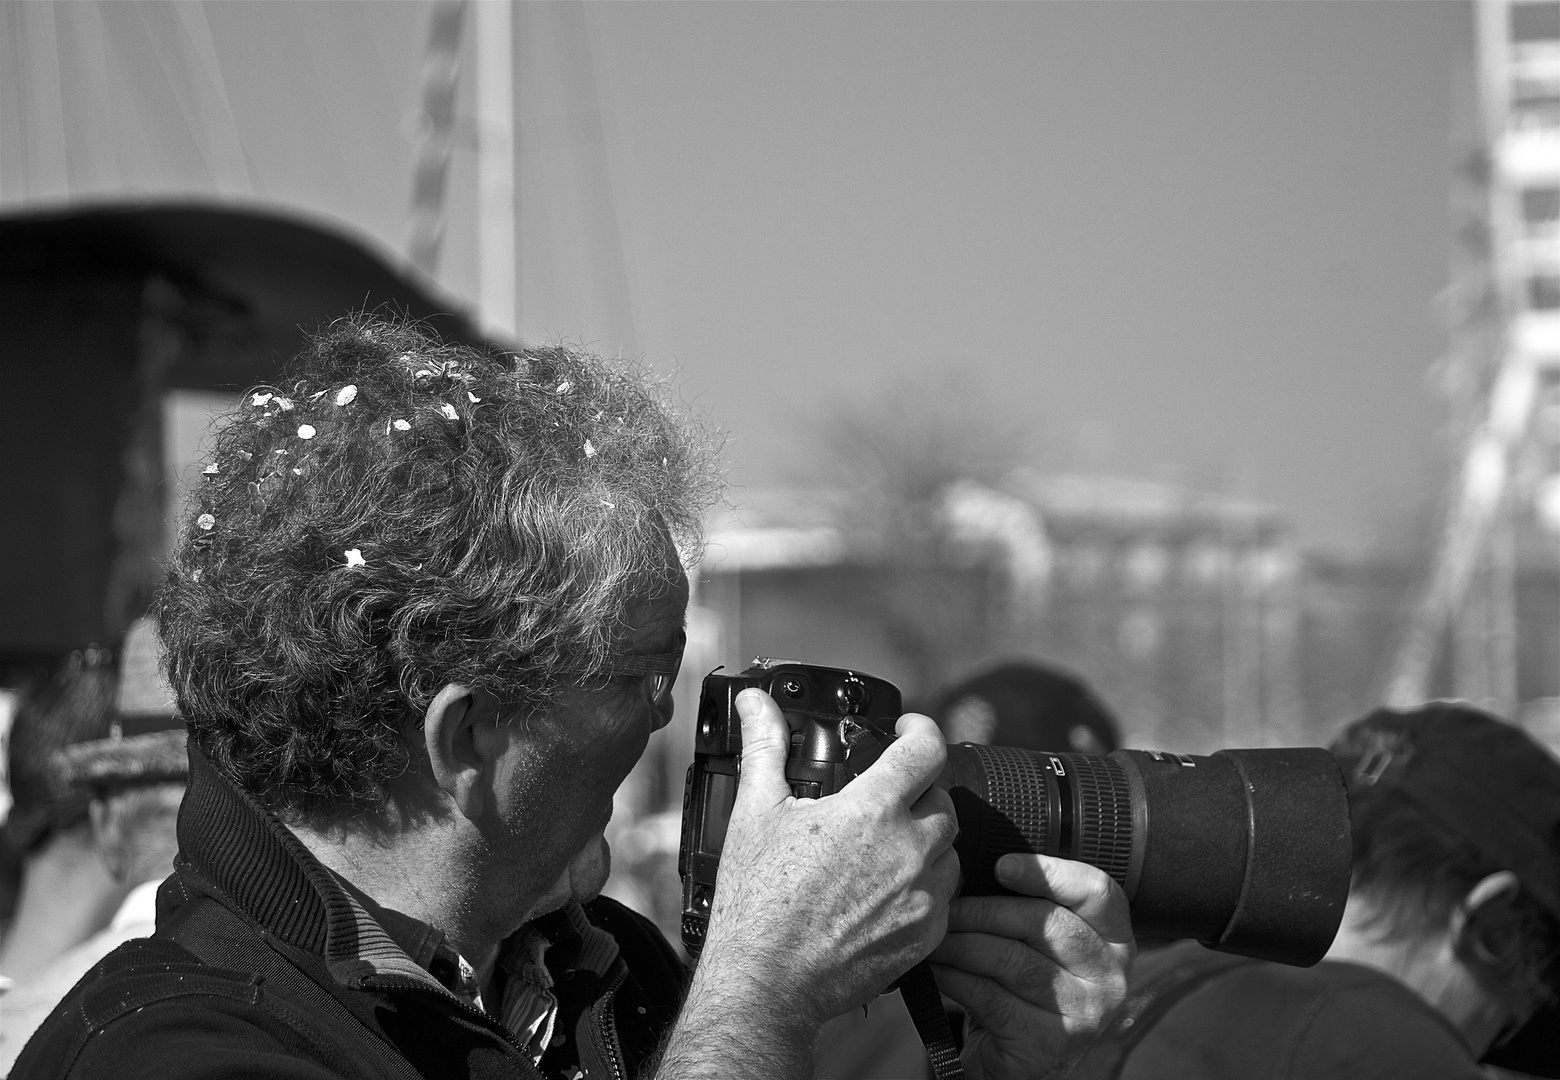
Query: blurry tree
point(896, 446)
point(892, 454)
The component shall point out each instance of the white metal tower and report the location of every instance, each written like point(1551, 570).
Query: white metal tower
point(1513, 359)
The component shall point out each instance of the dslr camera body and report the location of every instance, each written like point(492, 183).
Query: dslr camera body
point(1248, 851)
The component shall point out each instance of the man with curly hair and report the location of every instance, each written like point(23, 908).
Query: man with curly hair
point(426, 611)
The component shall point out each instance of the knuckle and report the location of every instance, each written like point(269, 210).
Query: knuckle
point(936, 928)
point(1075, 935)
point(1098, 885)
point(950, 876)
point(973, 911)
point(1015, 966)
point(940, 830)
point(764, 744)
point(1000, 1011)
point(944, 888)
point(924, 737)
point(937, 748)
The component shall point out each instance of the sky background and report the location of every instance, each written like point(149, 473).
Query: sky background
point(1192, 240)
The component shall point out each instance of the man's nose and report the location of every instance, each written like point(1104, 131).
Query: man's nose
point(661, 714)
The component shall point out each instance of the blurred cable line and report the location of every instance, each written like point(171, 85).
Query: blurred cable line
point(436, 135)
point(498, 282)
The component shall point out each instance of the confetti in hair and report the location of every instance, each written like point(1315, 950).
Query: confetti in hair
point(346, 395)
point(444, 597)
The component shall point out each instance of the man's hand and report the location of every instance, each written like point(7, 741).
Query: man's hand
point(821, 903)
point(830, 900)
point(1038, 977)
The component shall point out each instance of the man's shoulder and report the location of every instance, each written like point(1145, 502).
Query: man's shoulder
point(29, 1004)
point(150, 993)
point(1332, 1020)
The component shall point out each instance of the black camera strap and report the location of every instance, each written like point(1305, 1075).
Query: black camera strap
point(918, 988)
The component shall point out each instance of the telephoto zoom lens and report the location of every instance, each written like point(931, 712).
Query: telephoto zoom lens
point(1247, 851)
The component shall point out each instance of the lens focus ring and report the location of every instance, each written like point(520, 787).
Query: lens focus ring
point(1105, 818)
point(1083, 811)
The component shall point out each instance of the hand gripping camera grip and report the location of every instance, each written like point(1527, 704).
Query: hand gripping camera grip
point(837, 720)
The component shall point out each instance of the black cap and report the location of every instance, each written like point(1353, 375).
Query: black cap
point(147, 742)
point(76, 705)
point(1026, 705)
point(1492, 786)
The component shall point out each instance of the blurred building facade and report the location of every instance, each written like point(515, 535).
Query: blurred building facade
point(1185, 610)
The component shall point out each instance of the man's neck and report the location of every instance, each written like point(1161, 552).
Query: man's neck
point(67, 896)
point(421, 876)
point(1427, 965)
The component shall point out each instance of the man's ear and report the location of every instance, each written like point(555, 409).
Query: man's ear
point(1486, 928)
point(460, 752)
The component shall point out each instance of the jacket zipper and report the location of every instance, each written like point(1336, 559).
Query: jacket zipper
point(606, 1025)
point(394, 983)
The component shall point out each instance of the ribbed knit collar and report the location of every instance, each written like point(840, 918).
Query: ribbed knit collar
point(259, 866)
point(263, 869)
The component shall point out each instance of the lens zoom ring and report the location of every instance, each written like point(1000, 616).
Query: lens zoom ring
point(1105, 833)
point(1016, 792)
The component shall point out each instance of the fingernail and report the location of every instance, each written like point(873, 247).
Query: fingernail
point(748, 704)
point(1010, 869)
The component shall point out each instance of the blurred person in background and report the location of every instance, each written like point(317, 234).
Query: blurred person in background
point(10, 858)
point(424, 615)
point(67, 893)
point(1027, 705)
point(1449, 951)
point(131, 783)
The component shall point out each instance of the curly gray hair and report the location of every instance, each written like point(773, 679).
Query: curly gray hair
point(398, 514)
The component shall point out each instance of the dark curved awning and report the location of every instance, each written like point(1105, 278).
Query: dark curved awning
point(102, 310)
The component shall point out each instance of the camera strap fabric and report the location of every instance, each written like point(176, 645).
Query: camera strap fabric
point(923, 1001)
point(1147, 1004)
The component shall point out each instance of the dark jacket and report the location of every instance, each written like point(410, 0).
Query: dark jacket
point(264, 965)
point(1192, 1014)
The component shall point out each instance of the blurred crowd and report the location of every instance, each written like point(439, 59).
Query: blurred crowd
point(1447, 953)
point(96, 768)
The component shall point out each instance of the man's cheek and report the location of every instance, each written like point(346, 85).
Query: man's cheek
point(611, 761)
